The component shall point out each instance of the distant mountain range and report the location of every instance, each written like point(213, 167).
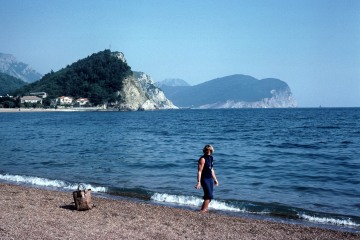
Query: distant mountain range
point(174, 82)
point(20, 70)
point(106, 77)
point(9, 84)
point(235, 91)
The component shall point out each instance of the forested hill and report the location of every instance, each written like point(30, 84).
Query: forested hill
point(9, 84)
point(97, 77)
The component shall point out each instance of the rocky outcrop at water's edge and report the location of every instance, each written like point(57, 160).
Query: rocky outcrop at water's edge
point(140, 93)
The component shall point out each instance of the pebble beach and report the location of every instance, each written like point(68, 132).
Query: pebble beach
point(32, 213)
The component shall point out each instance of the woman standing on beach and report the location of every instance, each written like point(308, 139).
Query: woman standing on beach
point(206, 176)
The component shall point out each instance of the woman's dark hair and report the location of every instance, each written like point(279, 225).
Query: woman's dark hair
point(208, 148)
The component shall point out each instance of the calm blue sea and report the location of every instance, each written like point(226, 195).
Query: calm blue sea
point(292, 165)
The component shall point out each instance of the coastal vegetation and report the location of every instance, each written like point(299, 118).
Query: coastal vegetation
point(97, 77)
point(8, 102)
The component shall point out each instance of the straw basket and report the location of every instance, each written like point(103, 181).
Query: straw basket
point(82, 198)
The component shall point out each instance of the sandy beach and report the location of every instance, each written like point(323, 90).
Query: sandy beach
point(31, 213)
point(14, 110)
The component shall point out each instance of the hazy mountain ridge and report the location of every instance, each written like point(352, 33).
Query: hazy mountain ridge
point(235, 91)
point(9, 84)
point(20, 70)
point(174, 82)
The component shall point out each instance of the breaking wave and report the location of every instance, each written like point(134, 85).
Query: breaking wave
point(193, 201)
point(327, 220)
point(45, 182)
point(264, 209)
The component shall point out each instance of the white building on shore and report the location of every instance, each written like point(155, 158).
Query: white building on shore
point(31, 99)
point(63, 100)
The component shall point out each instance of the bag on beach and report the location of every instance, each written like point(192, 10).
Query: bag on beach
point(82, 198)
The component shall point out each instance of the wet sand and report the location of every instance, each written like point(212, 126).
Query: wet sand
point(31, 213)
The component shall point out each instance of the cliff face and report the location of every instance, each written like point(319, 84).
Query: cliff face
point(140, 93)
point(20, 70)
point(279, 99)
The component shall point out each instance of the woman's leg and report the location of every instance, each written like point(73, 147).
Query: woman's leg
point(205, 205)
point(207, 185)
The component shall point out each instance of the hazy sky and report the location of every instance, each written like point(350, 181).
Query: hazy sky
point(313, 45)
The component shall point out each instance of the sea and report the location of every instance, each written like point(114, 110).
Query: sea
point(299, 166)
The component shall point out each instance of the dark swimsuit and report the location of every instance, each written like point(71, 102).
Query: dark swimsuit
point(207, 181)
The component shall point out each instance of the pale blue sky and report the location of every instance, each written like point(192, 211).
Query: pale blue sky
point(313, 45)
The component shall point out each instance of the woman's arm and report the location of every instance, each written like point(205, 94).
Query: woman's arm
point(200, 168)
point(214, 177)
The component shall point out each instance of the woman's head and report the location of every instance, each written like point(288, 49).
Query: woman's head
point(208, 149)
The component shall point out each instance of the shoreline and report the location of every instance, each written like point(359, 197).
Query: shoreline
point(34, 213)
point(14, 110)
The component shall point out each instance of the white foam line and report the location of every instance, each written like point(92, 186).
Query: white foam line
point(47, 182)
point(344, 222)
point(193, 201)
